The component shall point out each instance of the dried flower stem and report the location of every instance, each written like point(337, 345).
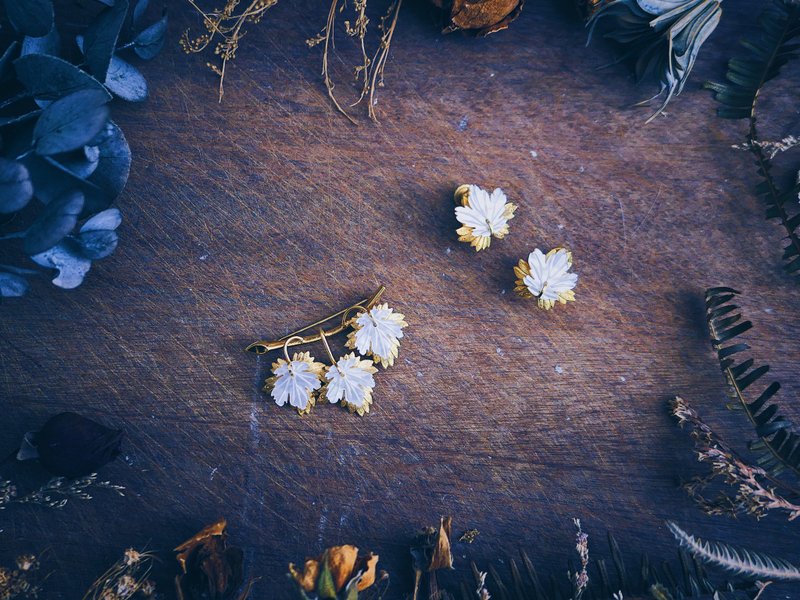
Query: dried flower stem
point(56, 492)
point(228, 25)
point(125, 579)
point(580, 580)
point(752, 495)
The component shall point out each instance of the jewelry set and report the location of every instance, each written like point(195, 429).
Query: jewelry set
point(374, 330)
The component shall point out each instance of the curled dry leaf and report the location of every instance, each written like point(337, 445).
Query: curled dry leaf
point(72, 446)
point(480, 16)
point(340, 568)
point(431, 548)
point(209, 568)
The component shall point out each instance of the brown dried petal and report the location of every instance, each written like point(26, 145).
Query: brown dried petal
point(341, 562)
point(431, 547)
point(442, 556)
point(308, 578)
point(366, 566)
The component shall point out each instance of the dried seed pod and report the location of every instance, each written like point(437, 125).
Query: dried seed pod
point(210, 570)
point(340, 568)
point(480, 16)
point(70, 445)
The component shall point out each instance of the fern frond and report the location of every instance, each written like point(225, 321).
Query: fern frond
point(778, 446)
point(777, 43)
point(775, 46)
point(737, 560)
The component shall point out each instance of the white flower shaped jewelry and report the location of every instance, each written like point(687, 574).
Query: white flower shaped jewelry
point(546, 277)
point(482, 215)
point(349, 380)
point(295, 380)
point(377, 334)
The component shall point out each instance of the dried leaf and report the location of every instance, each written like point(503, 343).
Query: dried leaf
point(16, 188)
point(339, 573)
point(30, 17)
point(70, 445)
point(55, 222)
point(431, 547)
point(482, 16)
point(101, 36)
point(70, 122)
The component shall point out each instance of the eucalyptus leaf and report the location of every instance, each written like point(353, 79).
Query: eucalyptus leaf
point(16, 188)
point(49, 78)
point(12, 286)
point(108, 220)
point(70, 122)
point(139, 11)
point(112, 170)
point(101, 36)
point(150, 41)
point(30, 17)
point(97, 244)
point(125, 80)
point(46, 44)
point(8, 55)
point(52, 180)
point(82, 162)
point(66, 257)
point(55, 222)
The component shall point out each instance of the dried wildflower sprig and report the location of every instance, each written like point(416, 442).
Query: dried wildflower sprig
point(20, 582)
point(125, 579)
point(580, 580)
point(224, 29)
point(756, 492)
point(371, 70)
point(56, 492)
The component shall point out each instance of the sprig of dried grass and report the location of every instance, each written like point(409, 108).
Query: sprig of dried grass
point(753, 493)
point(224, 26)
point(370, 71)
point(56, 492)
point(125, 579)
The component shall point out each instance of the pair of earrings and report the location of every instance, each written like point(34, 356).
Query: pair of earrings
point(483, 216)
point(376, 330)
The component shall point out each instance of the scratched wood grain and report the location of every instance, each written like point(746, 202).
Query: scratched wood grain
point(255, 216)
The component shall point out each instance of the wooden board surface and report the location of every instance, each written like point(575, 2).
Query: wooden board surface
point(253, 217)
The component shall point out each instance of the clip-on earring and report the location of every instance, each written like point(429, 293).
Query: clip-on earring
point(482, 215)
point(546, 277)
point(376, 333)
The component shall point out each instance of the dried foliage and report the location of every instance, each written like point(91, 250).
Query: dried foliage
point(62, 161)
point(778, 445)
point(756, 491)
point(737, 560)
point(368, 74)
point(22, 580)
point(661, 38)
point(225, 28)
point(56, 492)
point(126, 579)
point(479, 16)
point(775, 44)
point(340, 572)
point(209, 568)
point(430, 551)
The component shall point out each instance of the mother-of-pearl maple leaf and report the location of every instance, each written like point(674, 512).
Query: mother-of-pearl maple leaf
point(295, 381)
point(482, 215)
point(350, 381)
point(377, 334)
point(547, 277)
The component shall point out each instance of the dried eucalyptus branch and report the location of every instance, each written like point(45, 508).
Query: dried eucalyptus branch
point(753, 495)
point(56, 492)
point(224, 26)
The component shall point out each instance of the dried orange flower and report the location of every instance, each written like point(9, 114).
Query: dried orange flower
point(340, 568)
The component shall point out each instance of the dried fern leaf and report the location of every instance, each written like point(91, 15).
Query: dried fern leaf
point(737, 560)
point(778, 445)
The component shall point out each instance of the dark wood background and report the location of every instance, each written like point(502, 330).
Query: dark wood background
point(253, 217)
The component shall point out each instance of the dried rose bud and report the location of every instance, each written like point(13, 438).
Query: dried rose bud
point(339, 568)
point(210, 570)
point(71, 446)
point(481, 16)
